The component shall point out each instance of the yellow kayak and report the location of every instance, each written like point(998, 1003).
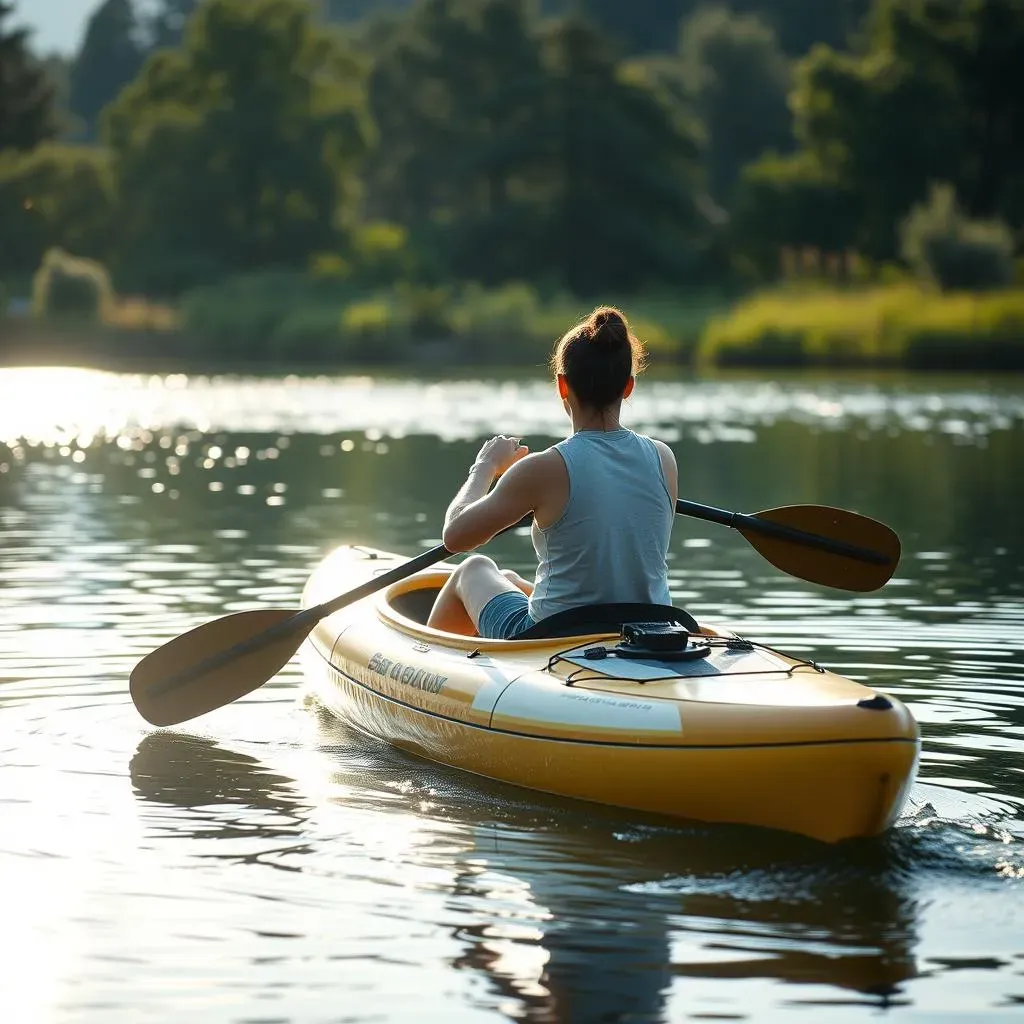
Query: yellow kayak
point(685, 721)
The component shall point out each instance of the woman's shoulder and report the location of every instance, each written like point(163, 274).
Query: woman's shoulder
point(549, 459)
point(542, 481)
point(662, 448)
point(539, 465)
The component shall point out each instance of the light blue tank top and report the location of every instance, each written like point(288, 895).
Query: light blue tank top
point(611, 542)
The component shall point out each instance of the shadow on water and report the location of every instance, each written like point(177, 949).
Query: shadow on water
point(221, 793)
point(574, 913)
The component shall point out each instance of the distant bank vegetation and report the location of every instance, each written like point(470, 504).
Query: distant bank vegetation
point(757, 182)
point(282, 317)
point(900, 325)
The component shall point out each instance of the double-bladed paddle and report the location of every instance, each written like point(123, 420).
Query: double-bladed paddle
point(220, 661)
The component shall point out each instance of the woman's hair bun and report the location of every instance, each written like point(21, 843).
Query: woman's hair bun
point(608, 328)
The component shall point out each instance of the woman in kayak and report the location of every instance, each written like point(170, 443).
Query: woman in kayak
point(603, 500)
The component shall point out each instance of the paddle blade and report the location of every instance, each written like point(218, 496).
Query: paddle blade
point(200, 671)
point(830, 569)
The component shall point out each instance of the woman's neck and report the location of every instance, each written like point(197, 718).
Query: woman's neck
point(606, 419)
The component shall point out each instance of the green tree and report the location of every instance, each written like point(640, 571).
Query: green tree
point(953, 252)
point(650, 26)
point(799, 24)
point(356, 10)
point(109, 58)
point(880, 126)
point(56, 195)
point(26, 92)
point(455, 96)
point(935, 96)
point(512, 149)
point(787, 202)
point(58, 71)
point(979, 45)
point(737, 79)
point(237, 150)
point(639, 26)
point(619, 209)
point(166, 25)
point(353, 10)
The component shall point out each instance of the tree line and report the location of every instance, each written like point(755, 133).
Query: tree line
point(579, 146)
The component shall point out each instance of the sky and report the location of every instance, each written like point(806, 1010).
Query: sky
point(56, 24)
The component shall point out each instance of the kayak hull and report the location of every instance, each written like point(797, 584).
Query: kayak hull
point(784, 746)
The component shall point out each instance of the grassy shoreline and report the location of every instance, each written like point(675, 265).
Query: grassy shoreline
point(900, 326)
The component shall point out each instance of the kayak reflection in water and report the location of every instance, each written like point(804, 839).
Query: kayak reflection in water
point(603, 500)
point(566, 914)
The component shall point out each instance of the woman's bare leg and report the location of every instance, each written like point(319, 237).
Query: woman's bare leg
point(466, 592)
point(449, 613)
point(513, 577)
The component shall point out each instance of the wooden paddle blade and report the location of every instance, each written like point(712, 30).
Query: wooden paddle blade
point(829, 568)
point(199, 671)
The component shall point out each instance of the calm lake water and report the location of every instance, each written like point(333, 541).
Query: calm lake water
point(263, 864)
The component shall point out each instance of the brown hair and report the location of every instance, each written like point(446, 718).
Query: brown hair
point(598, 356)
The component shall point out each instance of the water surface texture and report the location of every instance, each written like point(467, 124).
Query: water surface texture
point(264, 864)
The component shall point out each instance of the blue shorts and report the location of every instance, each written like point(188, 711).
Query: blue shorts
point(505, 615)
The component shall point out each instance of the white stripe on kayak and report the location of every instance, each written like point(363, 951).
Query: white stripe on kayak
point(588, 709)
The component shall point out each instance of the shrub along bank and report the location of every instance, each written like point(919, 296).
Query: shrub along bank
point(283, 317)
point(288, 316)
point(900, 325)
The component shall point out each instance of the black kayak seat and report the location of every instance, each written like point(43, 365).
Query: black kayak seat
point(605, 618)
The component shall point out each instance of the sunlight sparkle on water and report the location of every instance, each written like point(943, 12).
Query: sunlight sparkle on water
point(61, 406)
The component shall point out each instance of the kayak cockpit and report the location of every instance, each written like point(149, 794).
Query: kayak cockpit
point(407, 605)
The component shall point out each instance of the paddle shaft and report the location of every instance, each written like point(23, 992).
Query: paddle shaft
point(741, 521)
point(385, 579)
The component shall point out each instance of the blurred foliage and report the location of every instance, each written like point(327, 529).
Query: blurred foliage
point(27, 115)
point(271, 315)
point(417, 170)
point(55, 195)
point(644, 26)
point(736, 79)
point(381, 254)
point(70, 286)
point(650, 26)
point(619, 208)
point(165, 25)
point(58, 69)
point(238, 150)
point(899, 325)
point(137, 314)
point(935, 94)
point(504, 146)
point(110, 57)
point(943, 246)
point(783, 203)
point(240, 315)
